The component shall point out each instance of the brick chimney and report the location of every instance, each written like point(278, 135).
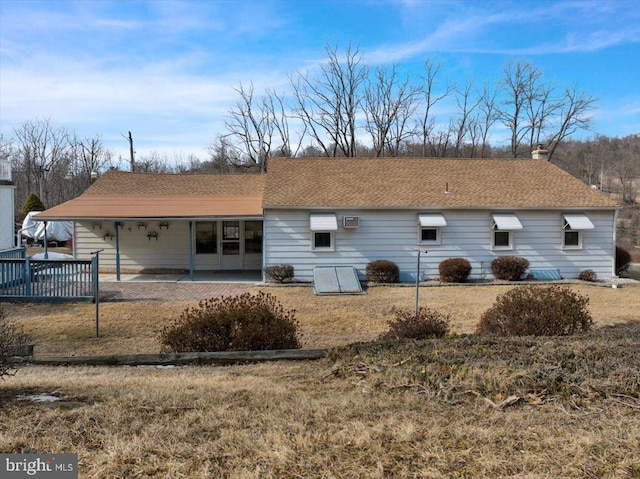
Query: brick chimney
point(540, 153)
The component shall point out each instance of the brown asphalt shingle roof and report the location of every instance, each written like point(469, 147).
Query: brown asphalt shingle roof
point(334, 183)
point(120, 195)
point(421, 182)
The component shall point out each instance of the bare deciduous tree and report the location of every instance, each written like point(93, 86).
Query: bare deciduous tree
point(328, 104)
point(535, 113)
point(42, 157)
point(89, 155)
point(261, 126)
point(389, 105)
point(463, 124)
point(427, 121)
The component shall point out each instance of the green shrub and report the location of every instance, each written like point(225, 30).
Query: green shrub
point(509, 268)
point(237, 323)
point(407, 325)
point(32, 203)
point(623, 259)
point(537, 311)
point(588, 275)
point(382, 271)
point(454, 270)
point(11, 335)
point(279, 273)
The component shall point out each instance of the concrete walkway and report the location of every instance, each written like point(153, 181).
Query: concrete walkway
point(175, 287)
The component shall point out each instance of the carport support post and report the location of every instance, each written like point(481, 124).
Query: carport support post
point(191, 250)
point(117, 251)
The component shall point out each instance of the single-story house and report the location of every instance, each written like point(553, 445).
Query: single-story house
point(348, 212)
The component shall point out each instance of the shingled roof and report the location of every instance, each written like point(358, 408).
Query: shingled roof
point(421, 183)
point(121, 195)
point(334, 183)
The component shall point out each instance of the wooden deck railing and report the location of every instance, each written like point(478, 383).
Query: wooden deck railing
point(26, 279)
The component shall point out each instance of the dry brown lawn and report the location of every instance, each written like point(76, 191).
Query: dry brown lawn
point(283, 420)
point(326, 321)
point(386, 411)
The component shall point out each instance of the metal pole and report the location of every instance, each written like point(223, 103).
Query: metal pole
point(96, 287)
point(46, 242)
point(117, 251)
point(191, 250)
point(418, 283)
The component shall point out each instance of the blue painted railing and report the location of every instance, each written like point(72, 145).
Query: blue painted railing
point(54, 280)
point(19, 253)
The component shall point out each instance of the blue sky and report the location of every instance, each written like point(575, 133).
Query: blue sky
point(165, 70)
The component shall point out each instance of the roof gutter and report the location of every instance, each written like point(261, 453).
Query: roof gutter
point(151, 218)
point(442, 208)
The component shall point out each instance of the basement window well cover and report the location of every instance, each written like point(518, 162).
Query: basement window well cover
point(506, 222)
point(434, 220)
point(577, 221)
point(323, 222)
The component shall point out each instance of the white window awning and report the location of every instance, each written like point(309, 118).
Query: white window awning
point(506, 221)
point(432, 220)
point(577, 221)
point(323, 222)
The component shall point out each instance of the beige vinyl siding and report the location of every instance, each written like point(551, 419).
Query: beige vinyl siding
point(137, 251)
point(393, 235)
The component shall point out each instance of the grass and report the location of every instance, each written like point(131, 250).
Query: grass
point(466, 406)
point(368, 411)
point(326, 321)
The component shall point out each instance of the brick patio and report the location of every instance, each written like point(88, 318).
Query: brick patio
point(167, 291)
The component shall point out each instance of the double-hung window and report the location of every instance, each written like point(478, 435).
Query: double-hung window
point(574, 225)
point(504, 225)
point(323, 227)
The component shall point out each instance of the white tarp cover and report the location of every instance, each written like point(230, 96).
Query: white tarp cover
point(578, 221)
point(323, 222)
point(56, 230)
point(506, 221)
point(433, 220)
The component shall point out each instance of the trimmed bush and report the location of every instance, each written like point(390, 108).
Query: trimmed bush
point(279, 273)
point(537, 311)
point(236, 323)
point(406, 325)
point(454, 270)
point(32, 203)
point(11, 336)
point(623, 260)
point(509, 268)
point(382, 271)
point(588, 275)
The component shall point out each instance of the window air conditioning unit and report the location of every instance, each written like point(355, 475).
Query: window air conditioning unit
point(351, 221)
